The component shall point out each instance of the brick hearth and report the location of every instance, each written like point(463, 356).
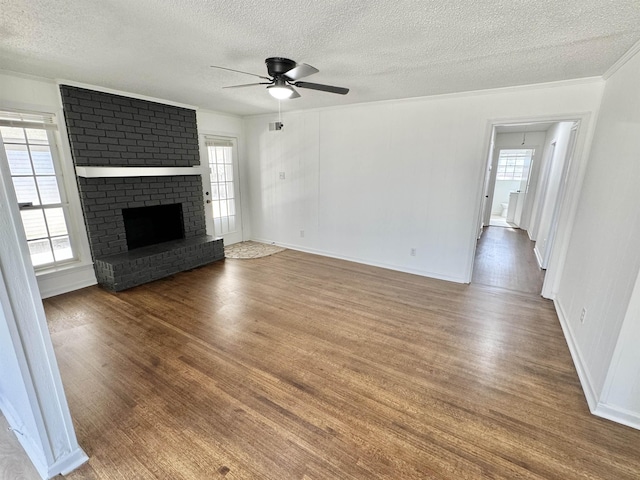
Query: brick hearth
point(108, 130)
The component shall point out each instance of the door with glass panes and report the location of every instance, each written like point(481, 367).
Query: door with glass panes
point(224, 193)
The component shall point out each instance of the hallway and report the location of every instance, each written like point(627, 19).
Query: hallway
point(505, 259)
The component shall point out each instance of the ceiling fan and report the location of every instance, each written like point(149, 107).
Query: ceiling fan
point(284, 74)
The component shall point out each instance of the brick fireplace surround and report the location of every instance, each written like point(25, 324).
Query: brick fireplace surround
point(107, 130)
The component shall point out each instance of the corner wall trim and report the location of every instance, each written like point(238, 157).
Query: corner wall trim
point(628, 55)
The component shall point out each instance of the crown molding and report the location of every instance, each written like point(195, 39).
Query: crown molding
point(629, 54)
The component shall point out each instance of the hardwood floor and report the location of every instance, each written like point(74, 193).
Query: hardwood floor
point(505, 259)
point(14, 462)
point(297, 366)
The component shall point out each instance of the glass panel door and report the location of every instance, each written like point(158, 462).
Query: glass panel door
point(225, 192)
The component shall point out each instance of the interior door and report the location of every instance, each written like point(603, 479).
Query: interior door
point(224, 188)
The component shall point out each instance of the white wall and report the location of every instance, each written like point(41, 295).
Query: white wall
point(549, 186)
point(620, 398)
point(603, 258)
point(501, 193)
point(215, 123)
point(370, 182)
point(27, 93)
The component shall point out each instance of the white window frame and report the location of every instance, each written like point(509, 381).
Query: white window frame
point(46, 122)
point(515, 171)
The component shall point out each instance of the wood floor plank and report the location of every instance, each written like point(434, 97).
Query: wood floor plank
point(505, 258)
point(303, 367)
point(14, 463)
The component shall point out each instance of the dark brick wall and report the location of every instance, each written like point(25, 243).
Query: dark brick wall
point(112, 130)
point(108, 130)
point(104, 198)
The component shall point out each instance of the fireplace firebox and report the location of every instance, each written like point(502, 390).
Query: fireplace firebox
point(146, 226)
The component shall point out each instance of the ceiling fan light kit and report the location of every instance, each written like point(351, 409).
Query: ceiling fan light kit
point(281, 93)
point(280, 90)
point(283, 76)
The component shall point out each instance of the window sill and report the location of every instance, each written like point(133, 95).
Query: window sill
point(73, 264)
point(65, 278)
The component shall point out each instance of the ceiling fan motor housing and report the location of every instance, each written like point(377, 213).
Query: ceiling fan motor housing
point(277, 66)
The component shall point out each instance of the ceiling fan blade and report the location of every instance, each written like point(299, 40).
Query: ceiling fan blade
point(240, 71)
point(322, 88)
point(300, 70)
point(295, 94)
point(248, 85)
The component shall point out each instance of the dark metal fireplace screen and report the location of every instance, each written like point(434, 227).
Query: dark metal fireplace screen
point(150, 225)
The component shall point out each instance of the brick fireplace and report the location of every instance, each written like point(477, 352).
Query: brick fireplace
point(111, 138)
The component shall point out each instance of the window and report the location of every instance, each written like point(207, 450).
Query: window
point(223, 192)
point(28, 147)
point(512, 164)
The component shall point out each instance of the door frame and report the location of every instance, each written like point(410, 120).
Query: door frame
point(569, 202)
point(571, 148)
point(541, 189)
point(206, 186)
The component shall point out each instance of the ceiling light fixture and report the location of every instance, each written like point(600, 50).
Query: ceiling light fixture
point(280, 89)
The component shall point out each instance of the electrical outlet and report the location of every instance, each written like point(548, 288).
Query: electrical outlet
point(412, 252)
point(583, 315)
point(282, 175)
point(301, 233)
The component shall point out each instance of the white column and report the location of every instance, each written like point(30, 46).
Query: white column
point(44, 425)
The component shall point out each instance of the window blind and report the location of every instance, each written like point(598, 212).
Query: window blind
point(27, 120)
point(217, 142)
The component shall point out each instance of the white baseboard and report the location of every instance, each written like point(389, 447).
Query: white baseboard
point(597, 408)
point(583, 373)
point(68, 463)
point(65, 280)
point(538, 257)
point(618, 415)
point(397, 268)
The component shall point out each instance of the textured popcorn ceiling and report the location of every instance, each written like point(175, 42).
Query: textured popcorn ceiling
point(380, 49)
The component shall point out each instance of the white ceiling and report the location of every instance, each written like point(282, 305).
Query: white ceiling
point(380, 49)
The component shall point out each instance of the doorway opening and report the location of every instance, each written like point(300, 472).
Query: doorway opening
point(510, 187)
point(525, 179)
